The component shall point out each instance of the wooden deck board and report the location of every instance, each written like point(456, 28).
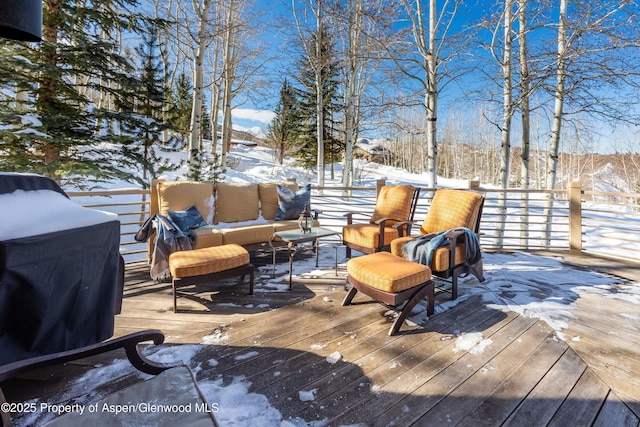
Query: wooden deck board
point(280, 342)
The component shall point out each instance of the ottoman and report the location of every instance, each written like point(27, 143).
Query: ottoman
point(207, 265)
point(392, 281)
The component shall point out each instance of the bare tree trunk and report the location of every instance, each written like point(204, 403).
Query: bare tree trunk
point(526, 123)
point(507, 114)
point(351, 100)
point(202, 13)
point(228, 76)
point(216, 88)
point(554, 147)
point(432, 99)
point(319, 96)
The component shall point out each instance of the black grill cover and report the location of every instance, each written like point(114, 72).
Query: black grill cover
point(58, 291)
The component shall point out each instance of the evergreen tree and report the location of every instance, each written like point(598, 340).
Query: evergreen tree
point(146, 123)
point(205, 130)
point(307, 150)
point(47, 91)
point(283, 129)
point(205, 167)
point(181, 104)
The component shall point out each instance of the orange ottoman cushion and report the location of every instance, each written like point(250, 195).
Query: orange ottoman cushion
point(387, 272)
point(203, 261)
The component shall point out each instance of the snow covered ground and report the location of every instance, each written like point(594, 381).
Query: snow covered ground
point(533, 286)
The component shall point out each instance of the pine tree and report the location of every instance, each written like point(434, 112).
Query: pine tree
point(283, 129)
point(146, 125)
point(47, 92)
point(180, 112)
point(307, 150)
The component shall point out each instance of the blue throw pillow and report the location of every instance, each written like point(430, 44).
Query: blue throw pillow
point(291, 204)
point(187, 220)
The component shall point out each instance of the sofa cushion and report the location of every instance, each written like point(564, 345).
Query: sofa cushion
point(291, 204)
point(269, 197)
point(207, 237)
point(186, 220)
point(247, 235)
point(181, 195)
point(236, 202)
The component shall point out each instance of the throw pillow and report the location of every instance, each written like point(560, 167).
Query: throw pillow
point(291, 204)
point(186, 220)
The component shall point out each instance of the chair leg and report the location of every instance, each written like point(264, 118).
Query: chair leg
point(347, 299)
point(175, 285)
point(251, 281)
point(422, 291)
point(454, 286)
point(348, 252)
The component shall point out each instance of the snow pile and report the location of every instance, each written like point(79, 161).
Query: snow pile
point(473, 343)
point(31, 213)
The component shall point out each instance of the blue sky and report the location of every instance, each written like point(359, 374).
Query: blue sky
point(280, 47)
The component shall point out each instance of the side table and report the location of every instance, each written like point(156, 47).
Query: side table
point(293, 238)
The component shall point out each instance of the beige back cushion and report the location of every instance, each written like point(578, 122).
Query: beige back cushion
point(181, 195)
point(452, 209)
point(236, 202)
point(394, 201)
point(269, 197)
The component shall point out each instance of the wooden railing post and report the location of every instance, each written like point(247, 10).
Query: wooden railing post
point(575, 216)
point(379, 184)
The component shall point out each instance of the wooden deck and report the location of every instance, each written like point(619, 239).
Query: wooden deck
point(525, 375)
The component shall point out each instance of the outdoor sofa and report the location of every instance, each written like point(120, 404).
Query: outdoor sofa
point(244, 214)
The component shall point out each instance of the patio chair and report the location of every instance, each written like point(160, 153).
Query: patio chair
point(395, 204)
point(173, 384)
point(450, 214)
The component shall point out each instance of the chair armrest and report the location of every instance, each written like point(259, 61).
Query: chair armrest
point(403, 224)
point(316, 213)
point(349, 217)
point(128, 342)
point(453, 234)
point(383, 220)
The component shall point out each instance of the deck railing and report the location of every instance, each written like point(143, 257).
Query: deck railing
point(602, 223)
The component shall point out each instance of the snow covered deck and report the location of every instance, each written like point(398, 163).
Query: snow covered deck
point(299, 356)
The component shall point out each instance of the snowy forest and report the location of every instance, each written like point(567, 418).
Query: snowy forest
point(516, 93)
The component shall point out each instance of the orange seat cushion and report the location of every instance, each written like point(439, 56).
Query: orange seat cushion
point(439, 258)
point(366, 235)
point(387, 272)
point(199, 262)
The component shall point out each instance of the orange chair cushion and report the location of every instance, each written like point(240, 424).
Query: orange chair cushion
point(439, 258)
point(387, 272)
point(394, 201)
point(366, 235)
point(452, 209)
point(199, 262)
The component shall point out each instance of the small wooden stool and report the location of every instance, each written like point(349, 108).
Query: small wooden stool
point(209, 264)
point(391, 280)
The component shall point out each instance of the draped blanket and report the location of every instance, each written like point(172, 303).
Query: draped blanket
point(169, 239)
point(420, 249)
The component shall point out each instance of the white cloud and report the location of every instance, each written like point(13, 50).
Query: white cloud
point(262, 116)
